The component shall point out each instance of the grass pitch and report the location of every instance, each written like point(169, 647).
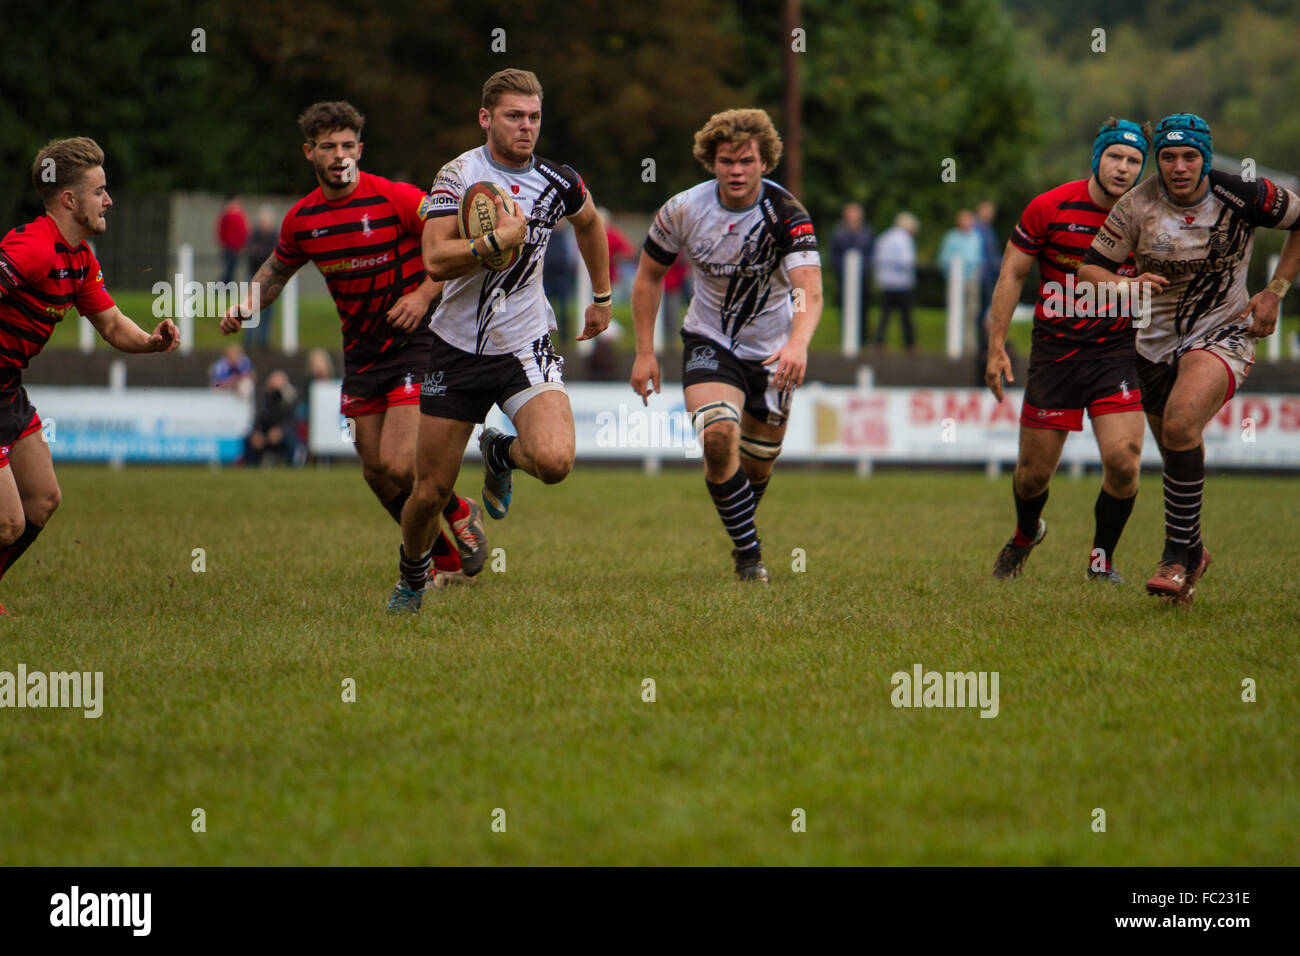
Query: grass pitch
point(223, 689)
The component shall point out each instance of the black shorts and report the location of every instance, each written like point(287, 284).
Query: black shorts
point(463, 386)
point(1057, 392)
point(704, 360)
point(18, 419)
point(1157, 380)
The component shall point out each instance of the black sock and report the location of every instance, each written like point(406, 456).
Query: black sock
point(14, 551)
point(441, 545)
point(734, 500)
point(1184, 485)
point(452, 507)
point(758, 487)
point(498, 454)
point(1028, 511)
point(1112, 514)
point(396, 504)
point(414, 572)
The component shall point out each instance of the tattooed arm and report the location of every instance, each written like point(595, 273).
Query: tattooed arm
point(267, 285)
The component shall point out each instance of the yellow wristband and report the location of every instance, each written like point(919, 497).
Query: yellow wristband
point(1279, 286)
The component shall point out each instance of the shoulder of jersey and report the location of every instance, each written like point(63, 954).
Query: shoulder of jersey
point(464, 166)
point(1235, 191)
point(558, 173)
point(1062, 193)
point(313, 198)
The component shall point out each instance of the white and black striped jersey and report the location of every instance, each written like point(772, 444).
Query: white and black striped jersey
point(498, 313)
point(1203, 248)
point(741, 259)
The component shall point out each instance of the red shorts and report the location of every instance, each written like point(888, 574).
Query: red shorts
point(403, 390)
point(1058, 392)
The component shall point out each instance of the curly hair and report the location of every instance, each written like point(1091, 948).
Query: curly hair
point(735, 127)
point(321, 118)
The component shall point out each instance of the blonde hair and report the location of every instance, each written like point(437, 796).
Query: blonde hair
point(524, 82)
point(735, 127)
point(72, 159)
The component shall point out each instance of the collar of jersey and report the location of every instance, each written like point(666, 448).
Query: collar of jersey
point(1174, 202)
point(517, 170)
point(717, 197)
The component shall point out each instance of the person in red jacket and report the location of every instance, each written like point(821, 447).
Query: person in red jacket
point(46, 268)
point(232, 235)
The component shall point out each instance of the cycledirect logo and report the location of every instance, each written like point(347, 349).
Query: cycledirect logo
point(350, 265)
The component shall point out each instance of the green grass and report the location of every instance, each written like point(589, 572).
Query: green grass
point(318, 326)
point(222, 688)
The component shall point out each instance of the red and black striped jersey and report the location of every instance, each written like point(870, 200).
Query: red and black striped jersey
point(41, 277)
point(367, 246)
point(1057, 228)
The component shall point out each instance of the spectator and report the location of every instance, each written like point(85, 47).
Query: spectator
point(232, 234)
point(985, 213)
point(320, 368)
point(233, 371)
point(677, 296)
point(622, 257)
point(963, 242)
point(275, 424)
point(853, 232)
point(895, 268)
point(261, 245)
point(558, 276)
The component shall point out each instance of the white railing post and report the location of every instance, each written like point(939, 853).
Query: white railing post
point(85, 335)
point(851, 308)
point(579, 320)
point(956, 309)
point(184, 273)
point(660, 323)
point(289, 316)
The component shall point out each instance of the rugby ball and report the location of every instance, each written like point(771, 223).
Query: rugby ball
point(478, 216)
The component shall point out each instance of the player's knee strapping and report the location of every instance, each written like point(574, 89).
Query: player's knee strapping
point(712, 413)
point(760, 449)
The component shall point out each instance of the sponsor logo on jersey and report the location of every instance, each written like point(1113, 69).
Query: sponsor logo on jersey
point(426, 207)
point(99, 276)
point(804, 229)
point(317, 233)
point(433, 384)
point(1163, 243)
point(703, 358)
point(347, 265)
